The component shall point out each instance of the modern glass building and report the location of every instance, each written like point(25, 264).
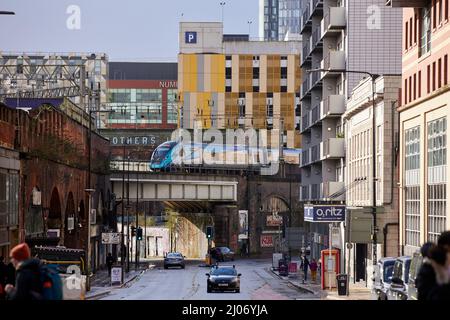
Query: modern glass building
point(278, 19)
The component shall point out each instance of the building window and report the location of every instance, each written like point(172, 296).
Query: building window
point(441, 9)
point(436, 188)
point(439, 73)
point(425, 28)
point(406, 36)
point(420, 84)
point(434, 76)
point(428, 79)
point(406, 91)
point(410, 89)
point(446, 9)
point(410, 32)
point(412, 187)
point(415, 86)
point(415, 28)
point(445, 70)
point(434, 7)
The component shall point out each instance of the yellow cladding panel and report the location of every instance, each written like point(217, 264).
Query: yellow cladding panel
point(180, 73)
point(189, 72)
point(217, 73)
point(204, 110)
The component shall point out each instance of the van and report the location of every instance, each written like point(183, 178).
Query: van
point(382, 278)
point(400, 277)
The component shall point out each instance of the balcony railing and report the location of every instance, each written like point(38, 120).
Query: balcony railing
point(305, 157)
point(306, 121)
point(315, 113)
point(306, 51)
point(317, 37)
point(334, 20)
point(316, 193)
point(315, 153)
point(306, 21)
point(306, 85)
point(316, 6)
point(334, 60)
point(304, 193)
point(332, 148)
point(332, 106)
point(315, 78)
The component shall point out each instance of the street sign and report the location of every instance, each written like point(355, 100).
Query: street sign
point(324, 213)
point(243, 224)
point(116, 276)
point(266, 241)
point(111, 238)
point(274, 220)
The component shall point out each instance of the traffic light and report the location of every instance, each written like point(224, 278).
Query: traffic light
point(133, 231)
point(139, 233)
point(209, 232)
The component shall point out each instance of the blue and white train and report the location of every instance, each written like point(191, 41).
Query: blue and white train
point(174, 154)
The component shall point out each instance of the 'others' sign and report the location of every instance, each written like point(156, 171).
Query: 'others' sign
point(325, 213)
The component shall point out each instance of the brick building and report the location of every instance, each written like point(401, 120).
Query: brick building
point(51, 137)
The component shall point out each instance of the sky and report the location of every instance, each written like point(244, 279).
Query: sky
point(132, 30)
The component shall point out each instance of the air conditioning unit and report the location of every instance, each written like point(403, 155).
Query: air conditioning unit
point(93, 216)
point(70, 223)
point(53, 233)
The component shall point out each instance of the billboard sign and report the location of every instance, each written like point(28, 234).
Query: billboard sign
point(324, 213)
point(266, 241)
point(274, 220)
point(243, 224)
point(111, 238)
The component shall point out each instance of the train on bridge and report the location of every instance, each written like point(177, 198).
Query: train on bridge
point(177, 154)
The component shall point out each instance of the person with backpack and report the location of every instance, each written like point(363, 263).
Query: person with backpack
point(305, 267)
point(34, 281)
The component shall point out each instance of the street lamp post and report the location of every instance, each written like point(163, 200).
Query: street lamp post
point(222, 4)
point(89, 188)
point(249, 22)
point(373, 78)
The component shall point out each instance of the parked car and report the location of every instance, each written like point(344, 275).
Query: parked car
point(416, 264)
point(174, 259)
point(382, 277)
point(400, 277)
point(222, 254)
point(222, 278)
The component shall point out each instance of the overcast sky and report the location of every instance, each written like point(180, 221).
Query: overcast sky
point(134, 30)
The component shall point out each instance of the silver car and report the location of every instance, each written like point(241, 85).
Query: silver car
point(174, 259)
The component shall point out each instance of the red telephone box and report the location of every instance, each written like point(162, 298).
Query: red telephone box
point(329, 268)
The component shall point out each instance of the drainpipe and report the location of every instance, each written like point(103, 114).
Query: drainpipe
point(385, 232)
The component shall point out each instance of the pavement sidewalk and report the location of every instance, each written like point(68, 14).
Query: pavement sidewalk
point(356, 291)
point(100, 281)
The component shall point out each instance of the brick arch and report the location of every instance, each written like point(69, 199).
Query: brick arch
point(274, 202)
point(70, 235)
point(54, 220)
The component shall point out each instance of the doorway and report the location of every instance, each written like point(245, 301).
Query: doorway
point(360, 261)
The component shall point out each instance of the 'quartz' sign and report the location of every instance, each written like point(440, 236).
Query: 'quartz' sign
point(324, 213)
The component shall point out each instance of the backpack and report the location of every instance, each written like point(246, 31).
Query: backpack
point(52, 287)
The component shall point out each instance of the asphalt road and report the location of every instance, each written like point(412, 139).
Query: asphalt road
point(257, 283)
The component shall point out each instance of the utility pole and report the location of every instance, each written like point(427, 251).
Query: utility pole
point(137, 219)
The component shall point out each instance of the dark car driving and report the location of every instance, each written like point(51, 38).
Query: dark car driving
point(382, 278)
point(223, 278)
point(174, 259)
point(222, 254)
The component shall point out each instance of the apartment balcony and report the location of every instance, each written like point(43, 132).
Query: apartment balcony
point(407, 3)
point(316, 7)
point(306, 121)
point(306, 86)
point(333, 148)
point(306, 19)
point(334, 62)
point(334, 21)
point(305, 158)
point(316, 38)
point(306, 52)
point(315, 154)
point(332, 106)
point(305, 193)
point(316, 80)
point(333, 191)
point(315, 115)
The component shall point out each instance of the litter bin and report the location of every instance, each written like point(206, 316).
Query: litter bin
point(342, 284)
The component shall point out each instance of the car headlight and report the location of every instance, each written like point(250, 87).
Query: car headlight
point(235, 280)
point(212, 280)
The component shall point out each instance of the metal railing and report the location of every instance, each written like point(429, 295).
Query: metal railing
point(315, 114)
point(316, 36)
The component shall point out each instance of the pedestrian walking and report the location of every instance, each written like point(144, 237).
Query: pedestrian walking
point(426, 277)
point(305, 267)
point(28, 282)
point(440, 261)
point(313, 267)
point(2, 277)
point(109, 263)
point(10, 274)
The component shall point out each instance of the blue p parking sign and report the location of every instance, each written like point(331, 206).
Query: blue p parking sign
point(190, 37)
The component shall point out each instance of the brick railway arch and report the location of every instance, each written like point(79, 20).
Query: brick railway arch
point(55, 216)
point(71, 225)
point(274, 203)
